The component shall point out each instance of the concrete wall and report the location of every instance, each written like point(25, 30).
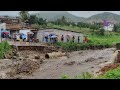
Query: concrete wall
point(60, 33)
point(3, 26)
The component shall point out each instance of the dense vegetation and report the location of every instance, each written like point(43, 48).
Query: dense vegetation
point(4, 49)
point(83, 46)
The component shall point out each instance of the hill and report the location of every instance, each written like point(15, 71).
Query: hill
point(104, 16)
point(54, 15)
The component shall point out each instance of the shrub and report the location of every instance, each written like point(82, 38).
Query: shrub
point(83, 46)
point(112, 74)
point(65, 77)
point(85, 75)
point(4, 48)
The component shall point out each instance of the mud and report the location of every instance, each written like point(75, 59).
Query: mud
point(77, 63)
point(74, 65)
point(104, 69)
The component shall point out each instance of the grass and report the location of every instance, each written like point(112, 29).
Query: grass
point(4, 49)
point(111, 74)
point(71, 28)
point(83, 46)
point(111, 39)
point(85, 75)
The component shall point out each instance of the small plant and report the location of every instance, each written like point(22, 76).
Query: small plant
point(65, 77)
point(4, 49)
point(82, 76)
point(112, 74)
point(85, 76)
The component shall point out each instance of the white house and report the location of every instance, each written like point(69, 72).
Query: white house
point(3, 26)
point(108, 26)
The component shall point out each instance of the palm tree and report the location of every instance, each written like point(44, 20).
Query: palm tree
point(24, 16)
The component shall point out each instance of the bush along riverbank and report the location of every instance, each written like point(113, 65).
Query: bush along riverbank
point(83, 46)
point(5, 49)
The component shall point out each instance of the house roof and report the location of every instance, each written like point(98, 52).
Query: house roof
point(16, 27)
point(107, 23)
point(13, 27)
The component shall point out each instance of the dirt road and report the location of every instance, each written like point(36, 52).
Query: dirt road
point(78, 62)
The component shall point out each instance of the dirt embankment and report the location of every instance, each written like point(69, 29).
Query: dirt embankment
point(18, 64)
point(24, 62)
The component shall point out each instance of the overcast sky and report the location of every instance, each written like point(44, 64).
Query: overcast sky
point(77, 13)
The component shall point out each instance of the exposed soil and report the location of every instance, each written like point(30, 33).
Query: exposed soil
point(108, 67)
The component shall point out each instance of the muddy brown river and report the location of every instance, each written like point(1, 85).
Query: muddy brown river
point(77, 63)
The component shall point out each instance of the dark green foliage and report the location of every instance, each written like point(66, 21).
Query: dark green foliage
point(4, 48)
point(102, 32)
point(83, 46)
point(33, 19)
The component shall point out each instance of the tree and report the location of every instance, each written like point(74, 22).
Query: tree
point(24, 16)
point(102, 32)
point(36, 26)
point(33, 19)
point(62, 21)
point(41, 21)
point(115, 28)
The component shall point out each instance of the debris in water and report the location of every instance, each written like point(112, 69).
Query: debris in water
point(3, 75)
point(79, 64)
point(80, 52)
point(14, 57)
point(92, 67)
point(69, 63)
point(37, 57)
point(26, 56)
point(90, 59)
point(100, 57)
point(25, 67)
point(105, 61)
